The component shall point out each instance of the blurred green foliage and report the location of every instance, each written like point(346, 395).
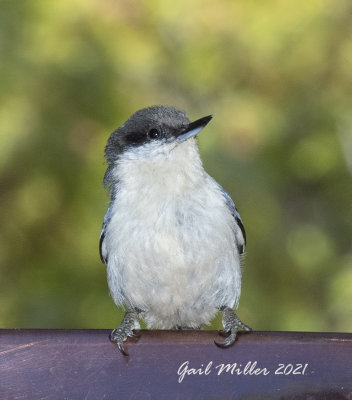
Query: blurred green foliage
point(277, 76)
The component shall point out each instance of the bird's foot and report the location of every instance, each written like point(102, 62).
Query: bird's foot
point(231, 324)
point(125, 330)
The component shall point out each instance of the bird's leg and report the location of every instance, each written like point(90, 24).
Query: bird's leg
point(125, 330)
point(231, 324)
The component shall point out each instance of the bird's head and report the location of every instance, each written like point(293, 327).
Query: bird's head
point(156, 134)
point(151, 131)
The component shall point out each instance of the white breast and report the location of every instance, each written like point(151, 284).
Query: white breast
point(170, 240)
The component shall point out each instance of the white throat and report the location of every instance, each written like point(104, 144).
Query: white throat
point(170, 167)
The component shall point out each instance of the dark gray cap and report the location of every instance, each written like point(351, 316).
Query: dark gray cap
point(155, 123)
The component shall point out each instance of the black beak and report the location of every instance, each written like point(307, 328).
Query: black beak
point(193, 128)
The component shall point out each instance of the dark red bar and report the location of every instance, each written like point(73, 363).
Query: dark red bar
point(83, 364)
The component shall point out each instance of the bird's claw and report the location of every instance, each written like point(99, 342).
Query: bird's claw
point(227, 342)
point(125, 331)
point(119, 336)
point(231, 324)
point(134, 335)
point(121, 348)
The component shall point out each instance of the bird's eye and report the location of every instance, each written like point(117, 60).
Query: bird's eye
point(154, 133)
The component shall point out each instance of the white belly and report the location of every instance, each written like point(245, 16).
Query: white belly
point(173, 255)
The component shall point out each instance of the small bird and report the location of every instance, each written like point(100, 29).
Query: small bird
point(172, 238)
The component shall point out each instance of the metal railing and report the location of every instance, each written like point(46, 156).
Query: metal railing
point(83, 364)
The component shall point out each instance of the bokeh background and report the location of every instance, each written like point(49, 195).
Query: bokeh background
point(276, 75)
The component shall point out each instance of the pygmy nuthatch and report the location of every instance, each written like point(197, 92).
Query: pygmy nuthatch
point(172, 238)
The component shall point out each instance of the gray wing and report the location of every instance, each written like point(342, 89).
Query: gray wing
point(241, 241)
point(102, 249)
point(113, 186)
point(239, 233)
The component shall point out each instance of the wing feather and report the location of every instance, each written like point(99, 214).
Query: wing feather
point(102, 247)
point(240, 233)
